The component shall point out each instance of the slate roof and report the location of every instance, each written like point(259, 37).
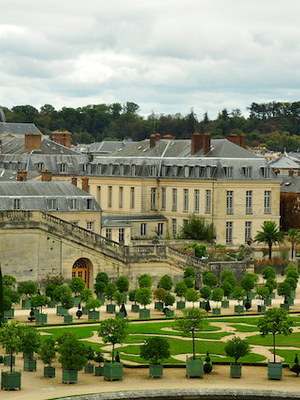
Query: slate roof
point(12, 128)
point(290, 184)
point(284, 163)
point(35, 195)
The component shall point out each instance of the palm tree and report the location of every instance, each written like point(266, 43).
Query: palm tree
point(293, 237)
point(270, 235)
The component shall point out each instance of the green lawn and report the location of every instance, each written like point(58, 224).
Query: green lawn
point(281, 340)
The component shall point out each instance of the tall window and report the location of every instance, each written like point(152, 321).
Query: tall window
point(229, 202)
point(132, 197)
point(17, 204)
point(121, 235)
point(90, 225)
point(52, 204)
point(109, 196)
point(99, 195)
point(108, 233)
point(185, 200)
point(249, 202)
point(229, 228)
point(143, 229)
point(248, 230)
point(196, 200)
point(62, 167)
point(160, 228)
point(163, 198)
point(121, 196)
point(174, 226)
point(73, 204)
point(174, 199)
point(267, 202)
point(153, 198)
point(208, 201)
point(88, 204)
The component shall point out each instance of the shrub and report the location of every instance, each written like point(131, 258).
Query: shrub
point(155, 349)
point(236, 348)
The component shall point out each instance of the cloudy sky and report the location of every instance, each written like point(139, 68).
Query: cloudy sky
point(167, 56)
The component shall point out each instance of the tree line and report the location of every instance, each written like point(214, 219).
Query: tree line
point(275, 124)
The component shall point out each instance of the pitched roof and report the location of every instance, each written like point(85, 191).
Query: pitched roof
point(12, 128)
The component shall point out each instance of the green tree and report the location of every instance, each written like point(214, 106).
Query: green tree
point(192, 295)
point(30, 340)
point(143, 296)
point(217, 295)
point(189, 272)
point(40, 300)
point(113, 331)
point(205, 292)
point(47, 351)
point(268, 273)
point(249, 281)
point(77, 285)
point(160, 294)
point(102, 277)
point(169, 299)
point(269, 235)
point(275, 321)
point(236, 348)
point(92, 304)
point(189, 281)
point(228, 276)
point(192, 320)
point(28, 288)
point(209, 279)
point(110, 289)
point(155, 349)
point(180, 289)
point(239, 293)
point(145, 281)
point(73, 353)
point(11, 338)
point(165, 282)
point(197, 229)
point(122, 284)
point(293, 237)
point(284, 289)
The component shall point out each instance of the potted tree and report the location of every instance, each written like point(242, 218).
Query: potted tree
point(77, 285)
point(263, 294)
point(62, 291)
point(155, 349)
point(72, 357)
point(169, 301)
point(192, 295)
point(236, 348)
point(134, 307)
point(180, 290)
point(227, 289)
point(99, 369)
point(30, 343)
point(67, 302)
point(248, 283)
point(217, 296)
point(111, 288)
point(205, 293)
point(89, 367)
point(100, 285)
point(28, 289)
point(113, 331)
point(145, 281)
point(192, 320)
point(123, 285)
point(119, 299)
point(159, 294)
point(239, 294)
point(92, 304)
point(10, 338)
point(85, 296)
point(275, 321)
point(40, 300)
point(143, 297)
point(284, 289)
point(47, 354)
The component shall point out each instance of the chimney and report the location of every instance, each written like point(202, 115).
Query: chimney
point(200, 141)
point(85, 184)
point(154, 137)
point(21, 175)
point(74, 181)
point(170, 137)
point(33, 141)
point(62, 137)
point(46, 176)
point(239, 140)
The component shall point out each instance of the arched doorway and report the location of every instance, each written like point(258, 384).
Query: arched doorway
point(81, 269)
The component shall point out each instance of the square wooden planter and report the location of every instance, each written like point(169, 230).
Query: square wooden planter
point(156, 370)
point(89, 368)
point(202, 305)
point(239, 309)
point(285, 306)
point(110, 308)
point(49, 372)
point(7, 359)
point(268, 302)
point(10, 380)
point(76, 301)
point(26, 304)
point(29, 365)
point(69, 375)
point(120, 314)
point(113, 371)
point(225, 303)
point(194, 368)
point(169, 313)
point(216, 311)
point(275, 370)
point(41, 319)
point(180, 305)
point(68, 319)
point(135, 308)
point(93, 315)
point(158, 305)
point(235, 370)
point(60, 310)
point(144, 313)
point(9, 314)
point(99, 371)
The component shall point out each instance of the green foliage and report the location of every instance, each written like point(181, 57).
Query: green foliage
point(66, 300)
point(238, 293)
point(99, 288)
point(192, 295)
point(269, 235)
point(9, 280)
point(61, 291)
point(30, 340)
point(180, 289)
point(200, 249)
point(92, 304)
point(143, 296)
point(113, 331)
point(262, 292)
point(119, 298)
point(160, 294)
point(47, 350)
point(155, 349)
point(49, 290)
point(268, 273)
point(102, 277)
point(11, 337)
point(284, 289)
point(86, 294)
point(73, 354)
point(209, 279)
point(189, 272)
point(132, 294)
point(227, 288)
point(236, 348)
point(110, 289)
point(28, 288)
point(165, 282)
point(169, 299)
point(291, 271)
point(40, 300)
point(145, 281)
point(197, 229)
point(228, 276)
point(122, 284)
point(77, 285)
point(205, 292)
point(189, 281)
point(217, 294)
point(275, 321)
point(249, 281)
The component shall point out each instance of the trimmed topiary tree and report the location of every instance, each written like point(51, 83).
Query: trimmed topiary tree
point(236, 348)
point(155, 349)
point(47, 354)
